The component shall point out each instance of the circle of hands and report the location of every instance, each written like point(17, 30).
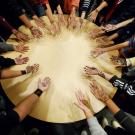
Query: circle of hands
point(72, 23)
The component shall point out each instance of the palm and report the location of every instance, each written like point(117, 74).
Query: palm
point(44, 84)
point(90, 71)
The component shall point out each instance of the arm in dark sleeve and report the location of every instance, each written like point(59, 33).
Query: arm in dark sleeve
point(127, 30)
point(15, 8)
point(9, 119)
point(125, 121)
point(85, 5)
point(5, 47)
point(6, 62)
point(54, 4)
point(123, 85)
point(27, 7)
point(132, 42)
point(5, 24)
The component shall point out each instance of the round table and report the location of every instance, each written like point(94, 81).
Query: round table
point(62, 58)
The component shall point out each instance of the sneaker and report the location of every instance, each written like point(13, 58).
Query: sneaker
point(104, 122)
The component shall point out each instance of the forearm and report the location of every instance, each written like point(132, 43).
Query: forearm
point(5, 24)
point(104, 75)
point(49, 13)
point(113, 36)
point(25, 107)
point(116, 47)
point(6, 47)
point(25, 20)
point(6, 74)
point(124, 23)
point(83, 14)
point(112, 106)
point(102, 6)
point(59, 10)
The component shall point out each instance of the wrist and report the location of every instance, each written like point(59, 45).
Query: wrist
point(23, 72)
point(14, 31)
point(32, 28)
point(88, 114)
point(101, 74)
point(38, 92)
point(97, 10)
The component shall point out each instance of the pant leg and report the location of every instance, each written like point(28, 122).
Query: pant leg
point(39, 9)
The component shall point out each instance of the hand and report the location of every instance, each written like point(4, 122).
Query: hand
point(32, 69)
point(109, 27)
point(98, 92)
point(77, 24)
point(62, 20)
point(21, 36)
point(44, 84)
point(104, 41)
point(36, 32)
point(96, 33)
point(40, 23)
point(71, 22)
point(119, 62)
point(82, 23)
point(55, 28)
point(21, 48)
point(93, 15)
point(91, 71)
point(82, 104)
point(19, 60)
point(97, 52)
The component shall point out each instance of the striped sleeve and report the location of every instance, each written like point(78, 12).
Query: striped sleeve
point(85, 5)
point(123, 85)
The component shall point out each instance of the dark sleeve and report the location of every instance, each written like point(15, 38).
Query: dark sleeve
point(27, 7)
point(5, 24)
point(8, 119)
point(132, 42)
point(6, 62)
point(15, 8)
point(123, 85)
point(125, 121)
point(85, 5)
point(5, 47)
point(54, 4)
point(127, 30)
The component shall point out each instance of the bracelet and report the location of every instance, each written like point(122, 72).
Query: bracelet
point(23, 72)
point(38, 92)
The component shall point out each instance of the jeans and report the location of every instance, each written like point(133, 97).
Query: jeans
point(39, 9)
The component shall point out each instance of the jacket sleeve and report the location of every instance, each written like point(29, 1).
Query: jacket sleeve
point(85, 5)
point(6, 62)
point(123, 85)
point(95, 127)
point(15, 8)
point(5, 24)
point(132, 42)
point(5, 47)
point(28, 9)
point(75, 3)
point(125, 121)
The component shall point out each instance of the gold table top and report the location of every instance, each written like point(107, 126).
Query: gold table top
point(62, 58)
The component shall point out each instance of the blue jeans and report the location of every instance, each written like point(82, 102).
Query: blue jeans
point(39, 9)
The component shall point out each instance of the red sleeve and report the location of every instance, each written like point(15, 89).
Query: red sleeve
point(75, 3)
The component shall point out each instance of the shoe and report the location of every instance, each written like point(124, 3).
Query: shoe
point(115, 124)
point(104, 122)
